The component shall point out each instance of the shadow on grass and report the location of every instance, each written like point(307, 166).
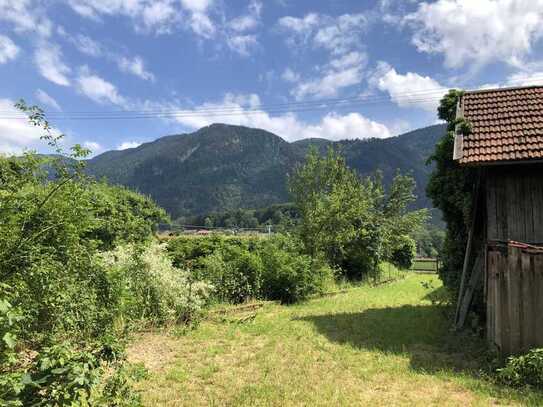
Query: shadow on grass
point(420, 331)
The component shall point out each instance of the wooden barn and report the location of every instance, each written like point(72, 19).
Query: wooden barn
point(505, 244)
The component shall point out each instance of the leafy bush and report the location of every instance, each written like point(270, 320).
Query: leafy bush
point(290, 276)
point(523, 370)
point(64, 375)
point(351, 221)
point(146, 286)
point(55, 284)
point(236, 273)
point(251, 267)
point(404, 252)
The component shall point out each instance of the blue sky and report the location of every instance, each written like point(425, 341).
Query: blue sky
point(282, 65)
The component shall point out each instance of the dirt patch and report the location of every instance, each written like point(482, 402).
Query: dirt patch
point(156, 350)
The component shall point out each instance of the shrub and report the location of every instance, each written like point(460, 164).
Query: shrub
point(523, 370)
point(288, 275)
point(147, 286)
point(251, 267)
point(404, 252)
point(234, 272)
point(65, 375)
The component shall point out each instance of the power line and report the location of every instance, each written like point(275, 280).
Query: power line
point(427, 96)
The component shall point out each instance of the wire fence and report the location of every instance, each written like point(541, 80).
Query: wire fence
point(425, 265)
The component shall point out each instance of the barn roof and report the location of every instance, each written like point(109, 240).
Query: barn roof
point(506, 126)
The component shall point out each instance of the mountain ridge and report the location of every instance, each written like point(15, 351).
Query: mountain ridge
point(222, 167)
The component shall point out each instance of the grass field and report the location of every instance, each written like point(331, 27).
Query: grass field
point(421, 265)
point(386, 345)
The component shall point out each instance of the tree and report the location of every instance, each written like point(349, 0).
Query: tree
point(331, 199)
point(450, 187)
point(352, 221)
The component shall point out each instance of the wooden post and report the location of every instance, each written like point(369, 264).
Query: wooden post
point(468, 251)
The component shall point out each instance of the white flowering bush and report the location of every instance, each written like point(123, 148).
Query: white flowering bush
point(148, 287)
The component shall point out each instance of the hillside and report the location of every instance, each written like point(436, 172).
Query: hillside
point(223, 167)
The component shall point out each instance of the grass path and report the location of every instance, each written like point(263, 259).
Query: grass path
point(371, 346)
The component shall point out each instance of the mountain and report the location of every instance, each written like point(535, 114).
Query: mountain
point(223, 167)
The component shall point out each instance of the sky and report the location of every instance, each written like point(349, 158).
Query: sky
point(112, 74)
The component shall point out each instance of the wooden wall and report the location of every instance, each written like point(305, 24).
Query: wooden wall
point(514, 203)
point(514, 293)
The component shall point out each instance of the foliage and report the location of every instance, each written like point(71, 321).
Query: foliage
point(429, 240)
point(146, 286)
point(404, 252)
point(122, 216)
point(236, 272)
point(290, 276)
point(354, 223)
point(451, 189)
point(282, 216)
point(63, 375)
point(250, 267)
point(222, 168)
point(54, 283)
point(523, 370)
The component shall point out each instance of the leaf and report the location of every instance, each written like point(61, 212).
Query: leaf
point(10, 340)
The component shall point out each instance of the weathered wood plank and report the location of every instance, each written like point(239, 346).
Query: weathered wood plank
point(537, 199)
point(538, 293)
point(491, 210)
point(474, 281)
point(502, 231)
point(513, 280)
point(491, 298)
point(527, 331)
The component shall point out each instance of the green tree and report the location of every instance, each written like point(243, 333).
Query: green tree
point(331, 199)
point(450, 188)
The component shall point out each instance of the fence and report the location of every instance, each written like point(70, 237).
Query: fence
point(514, 294)
point(425, 265)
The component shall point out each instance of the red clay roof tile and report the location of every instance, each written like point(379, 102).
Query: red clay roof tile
point(506, 125)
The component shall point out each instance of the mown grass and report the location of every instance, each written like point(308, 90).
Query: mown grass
point(385, 345)
point(421, 265)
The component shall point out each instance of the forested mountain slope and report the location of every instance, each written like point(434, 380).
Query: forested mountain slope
point(223, 167)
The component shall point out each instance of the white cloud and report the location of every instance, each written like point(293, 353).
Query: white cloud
point(341, 38)
point(48, 59)
point(26, 16)
point(248, 21)
point(47, 100)
point(242, 44)
point(135, 66)
point(197, 6)
point(202, 25)
point(157, 16)
point(339, 73)
point(329, 84)
point(98, 89)
point(342, 34)
point(337, 35)
point(16, 134)
point(525, 79)
point(93, 146)
point(479, 32)
point(290, 76)
point(300, 26)
point(240, 32)
point(86, 45)
point(131, 65)
point(408, 90)
point(128, 144)
point(8, 49)
point(243, 23)
point(332, 126)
